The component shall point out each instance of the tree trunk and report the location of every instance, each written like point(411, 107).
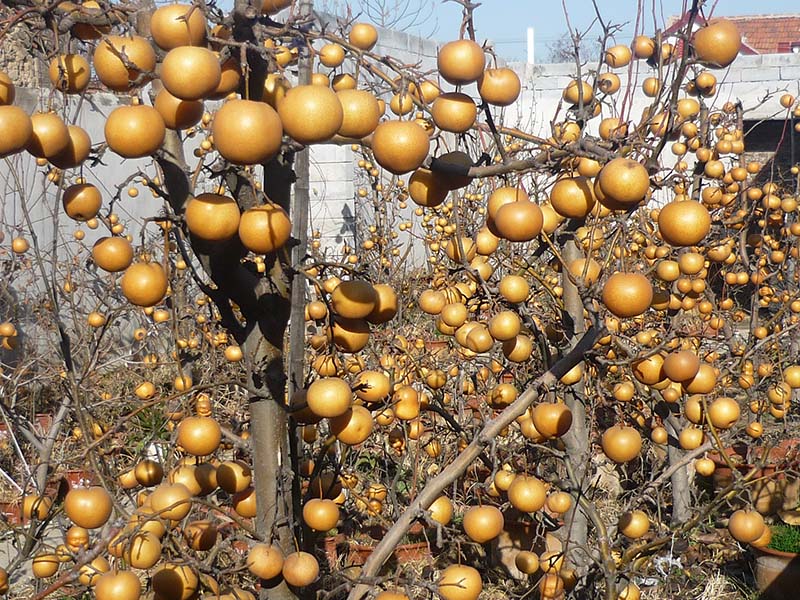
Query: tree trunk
point(681, 496)
point(264, 303)
point(576, 439)
point(269, 423)
point(269, 428)
point(679, 480)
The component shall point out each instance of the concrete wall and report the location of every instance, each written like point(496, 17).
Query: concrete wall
point(748, 79)
point(40, 194)
point(333, 184)
point(21, 179)
point(334, 178)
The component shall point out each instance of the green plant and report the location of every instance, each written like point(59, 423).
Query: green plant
point(785, 538)
point(150, 426)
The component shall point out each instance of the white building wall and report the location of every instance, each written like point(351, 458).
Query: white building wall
point(333, 175)
point(748, 79)
point(333, 178)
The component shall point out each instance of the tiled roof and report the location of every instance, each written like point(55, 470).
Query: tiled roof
point(761, 34)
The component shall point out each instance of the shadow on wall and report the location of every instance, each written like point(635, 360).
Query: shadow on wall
point(777, 159)
point(347, 232)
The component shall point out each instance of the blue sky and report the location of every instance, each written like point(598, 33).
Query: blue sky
point(506, 21)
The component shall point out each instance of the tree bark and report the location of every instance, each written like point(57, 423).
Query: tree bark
point(297, 333)
point(264, 303)
point(269, 421)
point(576, 440)
point(679, 479)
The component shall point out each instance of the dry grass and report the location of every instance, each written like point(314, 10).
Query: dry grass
point(703, 583)
point(721, 587)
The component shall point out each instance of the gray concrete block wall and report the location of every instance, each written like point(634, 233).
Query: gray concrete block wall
point(333, 168)
point(16, 59)
point(332, 184)
point(397, 44)
point(761, 74)
point(40, 194)
point(748, 79)
point(332, 194)
point(790, 74)
point(780, 60)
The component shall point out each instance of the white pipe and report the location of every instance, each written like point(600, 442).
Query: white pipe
point(530, 46)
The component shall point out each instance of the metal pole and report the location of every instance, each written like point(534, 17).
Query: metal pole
point(530, 46)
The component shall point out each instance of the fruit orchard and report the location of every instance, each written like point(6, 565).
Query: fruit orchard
point(593, 372)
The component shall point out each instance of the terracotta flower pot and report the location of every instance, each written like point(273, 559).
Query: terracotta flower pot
point(782, 455)
point(777, 573)
point(405, 553)
point(772, 490)
point(240, 546)
point(43, 422)
point(358, 554)
point(435, 347)
point(331, 546)
point(79, 478)
point(476, 404)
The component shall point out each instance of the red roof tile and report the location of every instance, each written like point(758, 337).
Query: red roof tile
point(761, 34)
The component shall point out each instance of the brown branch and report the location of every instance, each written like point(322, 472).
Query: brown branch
point(455, 469)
